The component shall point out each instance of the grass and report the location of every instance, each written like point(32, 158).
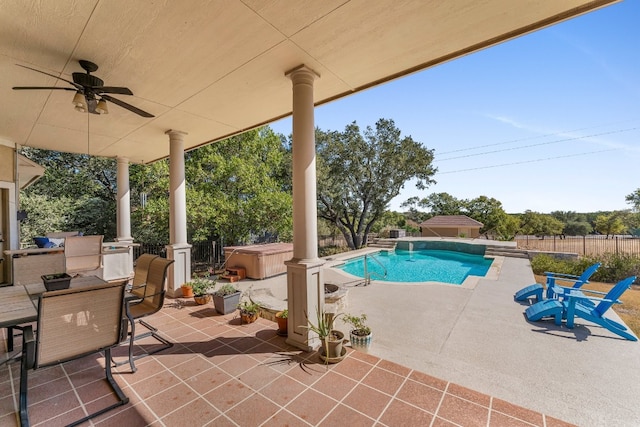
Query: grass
point(629, 310)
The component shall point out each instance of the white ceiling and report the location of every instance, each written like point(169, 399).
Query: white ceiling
point(217, 68)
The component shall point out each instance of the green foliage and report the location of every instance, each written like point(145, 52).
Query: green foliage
point(284, 314)
point(323, 325)
point(634, 200)
point(442, 204)
point(609, 224)
point(249, 307)
point(226, 289)
point(200, 285)
point(359, 173)
point(358, 324)
point(614, 268)
point(540, 224)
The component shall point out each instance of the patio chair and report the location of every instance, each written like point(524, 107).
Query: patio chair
point(73, 323)
point(140, 274)
point(82, 254)
point(573, 305)
point(148, 300)
point(537, 290)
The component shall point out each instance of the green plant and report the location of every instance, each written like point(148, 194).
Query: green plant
point(284, 314)
point(226, 289)
point(200, 285)
point(249, 307)
point(358, 323)
point(324, 324)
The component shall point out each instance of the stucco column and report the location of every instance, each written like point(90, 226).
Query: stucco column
point(124, 201)
point(305, 284)
point(178, 249)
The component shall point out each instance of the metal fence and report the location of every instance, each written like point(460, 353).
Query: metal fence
point(581, 245)
point(203, 254)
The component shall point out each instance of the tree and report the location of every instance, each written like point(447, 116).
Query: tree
point(540, 224)
point(634, 199)
point(609, 224)
point(489, 212)
point(359, 174)
point(575, 224)
point(443, 204)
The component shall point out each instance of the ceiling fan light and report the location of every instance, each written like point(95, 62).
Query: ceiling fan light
point(80, 109)
point(78, 100)
point(101, 108)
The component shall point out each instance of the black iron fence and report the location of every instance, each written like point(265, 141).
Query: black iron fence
point(581, 245)
point(203, 254)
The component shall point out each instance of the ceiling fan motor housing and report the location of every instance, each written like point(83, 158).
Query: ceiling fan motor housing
point(85, 79)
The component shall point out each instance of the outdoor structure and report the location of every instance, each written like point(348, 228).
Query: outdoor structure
point(450, 226)
point(259, 261)
point(209, 71)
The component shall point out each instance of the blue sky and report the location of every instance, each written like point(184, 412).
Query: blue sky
point(548, 121)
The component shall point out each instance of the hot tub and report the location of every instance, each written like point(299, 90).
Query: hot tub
point(259, 261)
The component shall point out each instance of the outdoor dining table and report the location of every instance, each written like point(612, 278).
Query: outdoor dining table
point(19, 303)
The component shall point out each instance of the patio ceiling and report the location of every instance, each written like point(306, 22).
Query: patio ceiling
point(217, 68)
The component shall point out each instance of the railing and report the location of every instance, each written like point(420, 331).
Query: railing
point(581, 245)
point(367, 275)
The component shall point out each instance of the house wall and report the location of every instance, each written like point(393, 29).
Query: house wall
point(450, 232)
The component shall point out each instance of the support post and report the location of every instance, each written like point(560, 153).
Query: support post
point(305, 284)
point(178, 249)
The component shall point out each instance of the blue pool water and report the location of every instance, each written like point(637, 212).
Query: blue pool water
point(421, 266)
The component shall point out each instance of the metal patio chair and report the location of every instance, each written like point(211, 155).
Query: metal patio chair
point(73, 323)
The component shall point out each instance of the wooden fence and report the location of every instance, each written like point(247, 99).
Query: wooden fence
point(581, 245)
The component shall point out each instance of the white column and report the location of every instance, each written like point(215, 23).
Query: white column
point(124, 201)
point(178, 249)
point(305, 284)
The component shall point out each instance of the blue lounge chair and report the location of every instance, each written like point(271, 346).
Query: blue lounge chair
point(573, 305)
point(537, 290)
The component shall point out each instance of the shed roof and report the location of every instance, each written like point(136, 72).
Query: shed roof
point(441, 221)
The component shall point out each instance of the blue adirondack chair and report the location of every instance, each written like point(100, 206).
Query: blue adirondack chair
point(575, 307)
point(576, 304)
point(553, 290)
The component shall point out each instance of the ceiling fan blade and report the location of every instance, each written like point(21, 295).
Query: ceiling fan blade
point(77, 86)
point(113, 89)
point(127, 106)
point(43, 87)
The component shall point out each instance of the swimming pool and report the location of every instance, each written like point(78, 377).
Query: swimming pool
point(424, 265)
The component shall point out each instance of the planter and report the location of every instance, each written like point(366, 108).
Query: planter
point(333, 346)
point(55, 282)
point(202, 299)
point(187, 291)
point(249, 317)
point(282, 324)
point(360, 342)
point(226, 304)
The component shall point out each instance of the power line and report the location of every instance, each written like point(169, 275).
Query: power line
point(538, 145)
point(526, 161)
point(530, 137)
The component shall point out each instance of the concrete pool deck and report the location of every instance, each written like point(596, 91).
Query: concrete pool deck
point(479, 338)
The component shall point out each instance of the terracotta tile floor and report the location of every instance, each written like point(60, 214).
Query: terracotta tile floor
point(221, 373)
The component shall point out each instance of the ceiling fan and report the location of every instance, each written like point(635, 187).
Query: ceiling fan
point(91, 94)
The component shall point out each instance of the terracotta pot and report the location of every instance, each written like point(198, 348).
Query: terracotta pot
point(282, 323)
point(249, 317)
point(202, 299)
point(187, 292)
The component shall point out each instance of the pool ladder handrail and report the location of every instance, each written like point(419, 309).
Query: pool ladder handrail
point(367, 275)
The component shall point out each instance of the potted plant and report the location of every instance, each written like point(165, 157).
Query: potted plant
point(200, 287)
point(226, 299)
point(360, 334)
point(249, 311)
point(331, 350)
point(187, 291)
point(281, 318)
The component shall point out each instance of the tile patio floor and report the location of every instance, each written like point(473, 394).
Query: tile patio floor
point(221, 373)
